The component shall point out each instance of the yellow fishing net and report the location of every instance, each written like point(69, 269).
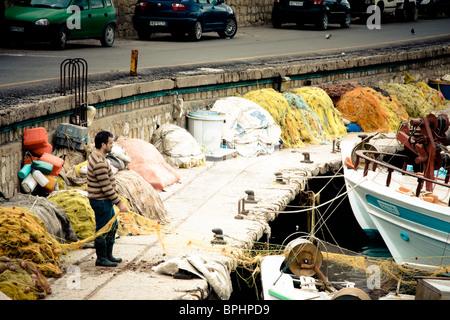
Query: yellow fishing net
point(319, 101)
point(417, 97)
point(411, 97)
point(282, 114)
point(79, 211)
point(22, 280)
point(310, 125)
point(371, 110)
point(24, 236)
point(305, 115)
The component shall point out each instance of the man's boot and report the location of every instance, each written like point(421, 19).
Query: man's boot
point(102, 260)
point(109, 256)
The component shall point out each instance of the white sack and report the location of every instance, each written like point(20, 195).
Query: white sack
point(249, 128)
point(178, 146)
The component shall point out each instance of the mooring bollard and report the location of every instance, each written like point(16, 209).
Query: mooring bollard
point(134, 62)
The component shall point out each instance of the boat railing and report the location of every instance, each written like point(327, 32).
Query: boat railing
point(371, 157)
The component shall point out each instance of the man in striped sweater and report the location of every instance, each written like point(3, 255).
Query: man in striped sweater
point(102, 198)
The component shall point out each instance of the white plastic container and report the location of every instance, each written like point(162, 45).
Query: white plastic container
point(40, 178)
point(29, 183)
point(206, 128)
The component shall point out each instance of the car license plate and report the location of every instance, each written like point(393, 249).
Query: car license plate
point(17, 29)
point(157, 23)
point(296, 3)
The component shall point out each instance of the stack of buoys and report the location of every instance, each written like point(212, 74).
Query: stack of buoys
point(40, 167)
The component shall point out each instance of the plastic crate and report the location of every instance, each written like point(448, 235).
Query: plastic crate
point(71, 136)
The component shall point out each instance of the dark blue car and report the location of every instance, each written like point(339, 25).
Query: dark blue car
point(318, 12)
point(193, 17)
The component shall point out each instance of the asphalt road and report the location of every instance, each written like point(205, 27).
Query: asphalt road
point(27, 68)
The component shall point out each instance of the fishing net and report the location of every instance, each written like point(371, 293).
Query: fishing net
point(22, 280)
point(411, 97)
point(319, 101)
point(24, 236)
point(372, 110)
point(336, 91)
point(311, 127)
point(283, 115)
point(76, 205)
point(143, 199)
point(55, 218)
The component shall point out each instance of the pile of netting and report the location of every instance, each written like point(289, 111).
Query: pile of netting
point(24, 236)
point(310, 125)
point(22, 280)
point(319, 101)
point(283, 115)
point(417, 97)
point(337, 90)
point(372, 110)
point(305, 115)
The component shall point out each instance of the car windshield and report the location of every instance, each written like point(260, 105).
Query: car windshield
point(57, 4)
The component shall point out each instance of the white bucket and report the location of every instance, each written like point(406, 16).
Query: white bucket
point(40, 178)
point(206, 128)
point(29, 183)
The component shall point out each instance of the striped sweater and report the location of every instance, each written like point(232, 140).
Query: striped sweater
point(100, 179)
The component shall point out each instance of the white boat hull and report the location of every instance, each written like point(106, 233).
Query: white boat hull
point(415, 231)
point(362, 217)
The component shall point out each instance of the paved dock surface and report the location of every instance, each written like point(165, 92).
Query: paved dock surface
point(207, 197)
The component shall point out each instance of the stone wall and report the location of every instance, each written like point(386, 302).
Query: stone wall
point(136, 110)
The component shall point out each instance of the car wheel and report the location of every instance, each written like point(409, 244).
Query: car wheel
point(347, 21)
point(323, 23)
point(109, 35)
point(230, 29)
point(276, 21)
point(413, 13)
point(60, 39)
point(196, 31)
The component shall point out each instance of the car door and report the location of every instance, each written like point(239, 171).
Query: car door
point(215, 14)
point(79, 22)
point(99, 15)
point(336, 12)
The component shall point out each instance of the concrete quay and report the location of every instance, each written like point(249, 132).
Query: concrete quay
point(206, 197)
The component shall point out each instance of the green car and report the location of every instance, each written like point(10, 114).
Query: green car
point(57, 21)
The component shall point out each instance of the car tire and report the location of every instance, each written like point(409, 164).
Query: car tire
point(108, 36)
point(276, 21)
point(230, 29)
point(60, 40)
point(347, 21)
point(323, 23)
point(196, 31)
point(413, 13)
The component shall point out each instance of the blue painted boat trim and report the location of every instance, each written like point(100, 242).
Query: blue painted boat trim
point(409, 215)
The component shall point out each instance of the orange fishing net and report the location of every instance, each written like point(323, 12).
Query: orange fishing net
point(372, 110)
